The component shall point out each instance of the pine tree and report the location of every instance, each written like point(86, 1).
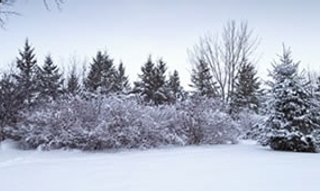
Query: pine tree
point(50, 80)
point(144, 85)
point(102, 74)
point(161, 93)
point(73, 84)
point(27, 75)
point(177, 93)
point(122, 80)
point(151, 85)
point(291, 122)
point(246, 95)
point(201, 80)
point(11, 101)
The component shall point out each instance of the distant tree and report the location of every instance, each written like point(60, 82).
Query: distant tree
point(292, 122)
point(27, 74)
point(73, 82)
point(121, 80)
point(50, 80)
point(177, 92)
point(247, 89)
point(144, 86)
point(11, 100)
point(202, 81)
point(162, 93)
point(151, 85)
point(102, 74)
point(224, 55)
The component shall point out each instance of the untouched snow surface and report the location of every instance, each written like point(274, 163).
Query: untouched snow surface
point(245, 167)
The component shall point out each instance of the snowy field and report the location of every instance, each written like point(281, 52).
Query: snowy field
point(243, 167)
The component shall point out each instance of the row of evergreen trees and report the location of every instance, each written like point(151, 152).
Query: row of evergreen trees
point(35, 83)
point(30, 84)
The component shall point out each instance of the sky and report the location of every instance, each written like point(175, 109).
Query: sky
point(131, 30)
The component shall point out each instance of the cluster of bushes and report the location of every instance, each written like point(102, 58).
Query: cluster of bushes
point(114, 122)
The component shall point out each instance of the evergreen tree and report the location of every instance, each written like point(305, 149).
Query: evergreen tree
point(246, 95)
point(317, 88)
point(144, 86)
point(102, 74)
point(161, 91)
point(50, 80)
point(177, 93)
point(152, 83)
point(121, 80)
point(73, 85)
point(11, 101)
point(27, 75)
point(201, 80)
point(291, 122)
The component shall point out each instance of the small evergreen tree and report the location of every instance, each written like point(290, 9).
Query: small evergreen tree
point(11, 101)
point(201, 80)
point(102, 74)
point(177, 93)
point(247, 90)
point(27, 75)
point(73, 84)
point(122, 80)
point(50, 80)
point(161, 91)
point(291, 122)
point(144, 85)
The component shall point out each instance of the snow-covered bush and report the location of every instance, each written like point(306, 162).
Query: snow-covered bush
point(204, 123)
point(116, 122)
point(250, 124)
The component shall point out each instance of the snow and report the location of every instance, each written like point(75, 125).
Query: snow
point(245, 166)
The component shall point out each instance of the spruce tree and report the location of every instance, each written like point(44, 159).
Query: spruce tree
point(151, 85)
point(27, 74)
point(144, 86)
point(11, 100)
point(73, 84)
point(177, 93)
point(161, 91)
point(121, 80)
point(292, 121)
point(102, 74)
point(50, 80)
point(201, 80)
point(247, 89)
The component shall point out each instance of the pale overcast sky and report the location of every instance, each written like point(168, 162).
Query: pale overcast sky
point(130, 30)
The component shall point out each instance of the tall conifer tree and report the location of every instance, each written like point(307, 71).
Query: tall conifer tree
point(102, 74)
point(177, 93)
point(247, 89)
point(292, 121)
point(122, 80)
point(50, 80)
point(201, 80)
point(27, 73)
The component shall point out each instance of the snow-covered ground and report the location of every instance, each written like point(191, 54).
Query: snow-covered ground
point(242, 167)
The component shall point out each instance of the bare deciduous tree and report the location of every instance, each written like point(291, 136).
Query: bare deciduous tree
point(57, 2)
point(6, 4)
point(225, 55)
point(5, 11)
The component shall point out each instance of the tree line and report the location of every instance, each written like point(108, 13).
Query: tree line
point(223, 71)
